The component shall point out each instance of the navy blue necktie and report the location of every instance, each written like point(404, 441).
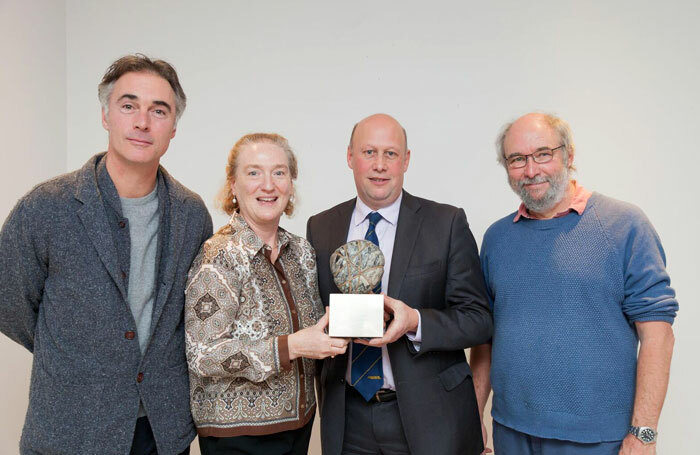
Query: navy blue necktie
point(366, 373)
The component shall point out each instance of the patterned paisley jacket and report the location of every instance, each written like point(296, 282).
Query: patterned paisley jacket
point(239, 309)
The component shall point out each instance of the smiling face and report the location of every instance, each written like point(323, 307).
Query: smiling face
point(378, 158)
point(541, 187)
point(262, 184)
point(140, 119)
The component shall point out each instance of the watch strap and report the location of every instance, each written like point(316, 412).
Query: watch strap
point(645, 434)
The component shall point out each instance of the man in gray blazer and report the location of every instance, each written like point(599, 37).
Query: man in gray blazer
point(410, 391)
point(93, 267)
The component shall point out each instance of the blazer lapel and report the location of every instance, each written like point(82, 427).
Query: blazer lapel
point(338, 232)
point(171, 251)
point(340, 224)
point(94, 219)
point(407, 229)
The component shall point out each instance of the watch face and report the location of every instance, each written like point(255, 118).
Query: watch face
point(647, 435)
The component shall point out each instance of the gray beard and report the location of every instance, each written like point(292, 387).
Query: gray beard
point(558, 184)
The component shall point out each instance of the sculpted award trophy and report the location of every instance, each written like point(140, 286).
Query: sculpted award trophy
point(357, 268)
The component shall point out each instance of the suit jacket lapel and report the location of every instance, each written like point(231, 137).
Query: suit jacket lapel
point(94, 219)
point(340, 224)
point(338, 232)
point(407, 229)
point(171, 251)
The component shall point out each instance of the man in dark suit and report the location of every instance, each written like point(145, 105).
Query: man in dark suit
point(411, 390)
point(93, 266)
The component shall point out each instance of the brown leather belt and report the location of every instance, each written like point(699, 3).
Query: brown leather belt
point(383, 395)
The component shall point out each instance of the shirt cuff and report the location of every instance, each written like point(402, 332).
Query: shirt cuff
point(283, 352)
point(416, 337)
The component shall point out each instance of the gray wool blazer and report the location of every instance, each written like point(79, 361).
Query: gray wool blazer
point(62, 297)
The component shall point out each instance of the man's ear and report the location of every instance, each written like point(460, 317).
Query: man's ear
point(105, 125)
point(570, 161)
point(406, 160)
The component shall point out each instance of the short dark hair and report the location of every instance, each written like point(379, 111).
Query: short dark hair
point(139, 63)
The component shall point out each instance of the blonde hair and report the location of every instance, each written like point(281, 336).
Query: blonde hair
point(224, 200)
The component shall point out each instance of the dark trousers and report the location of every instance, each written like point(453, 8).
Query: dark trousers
point(507, 441)
point(144, 443)
point(292, 442)
point(372, 428)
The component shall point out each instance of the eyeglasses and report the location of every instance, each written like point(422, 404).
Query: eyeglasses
point(541, 156)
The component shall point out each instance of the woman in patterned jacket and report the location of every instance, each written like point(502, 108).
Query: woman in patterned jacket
point(253, 315)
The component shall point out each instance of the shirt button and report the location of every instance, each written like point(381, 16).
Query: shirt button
point(129, 335)
point(342, 381)
point(139, 377)
point(303, 406)
point(301, 376)
point(294, 311)
point(284, 281)
point(122, 224)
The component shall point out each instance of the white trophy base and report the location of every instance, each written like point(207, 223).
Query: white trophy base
point(356, 315)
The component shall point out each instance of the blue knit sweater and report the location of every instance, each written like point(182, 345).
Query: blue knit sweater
point(565, 294)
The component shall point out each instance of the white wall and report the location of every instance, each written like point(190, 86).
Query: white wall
point(622, 73)
point(33, 132)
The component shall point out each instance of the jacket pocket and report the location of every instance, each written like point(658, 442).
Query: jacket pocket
point(423, 269)
point(454, 375)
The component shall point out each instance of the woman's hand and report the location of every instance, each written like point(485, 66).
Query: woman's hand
point(314, 343)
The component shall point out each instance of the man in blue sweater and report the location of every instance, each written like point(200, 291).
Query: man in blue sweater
point(577, 281)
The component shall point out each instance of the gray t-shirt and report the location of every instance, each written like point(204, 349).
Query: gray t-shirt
point(143, 217)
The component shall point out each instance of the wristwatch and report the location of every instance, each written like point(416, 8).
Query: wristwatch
point(645, 434)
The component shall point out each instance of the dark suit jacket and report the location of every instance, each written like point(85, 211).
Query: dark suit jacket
point(435, 268)
point(62, 297)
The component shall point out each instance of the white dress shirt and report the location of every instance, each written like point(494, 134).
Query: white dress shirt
point(386, 233)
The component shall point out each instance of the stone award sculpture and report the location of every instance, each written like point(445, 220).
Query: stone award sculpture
point(357, 268)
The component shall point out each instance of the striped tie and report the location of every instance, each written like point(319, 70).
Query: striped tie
point(366, 371)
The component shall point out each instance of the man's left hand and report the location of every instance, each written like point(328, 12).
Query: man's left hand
point(633, 446)
point(405, 319)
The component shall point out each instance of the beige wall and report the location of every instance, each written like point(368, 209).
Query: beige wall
point(623, 73)
point(33, 132)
